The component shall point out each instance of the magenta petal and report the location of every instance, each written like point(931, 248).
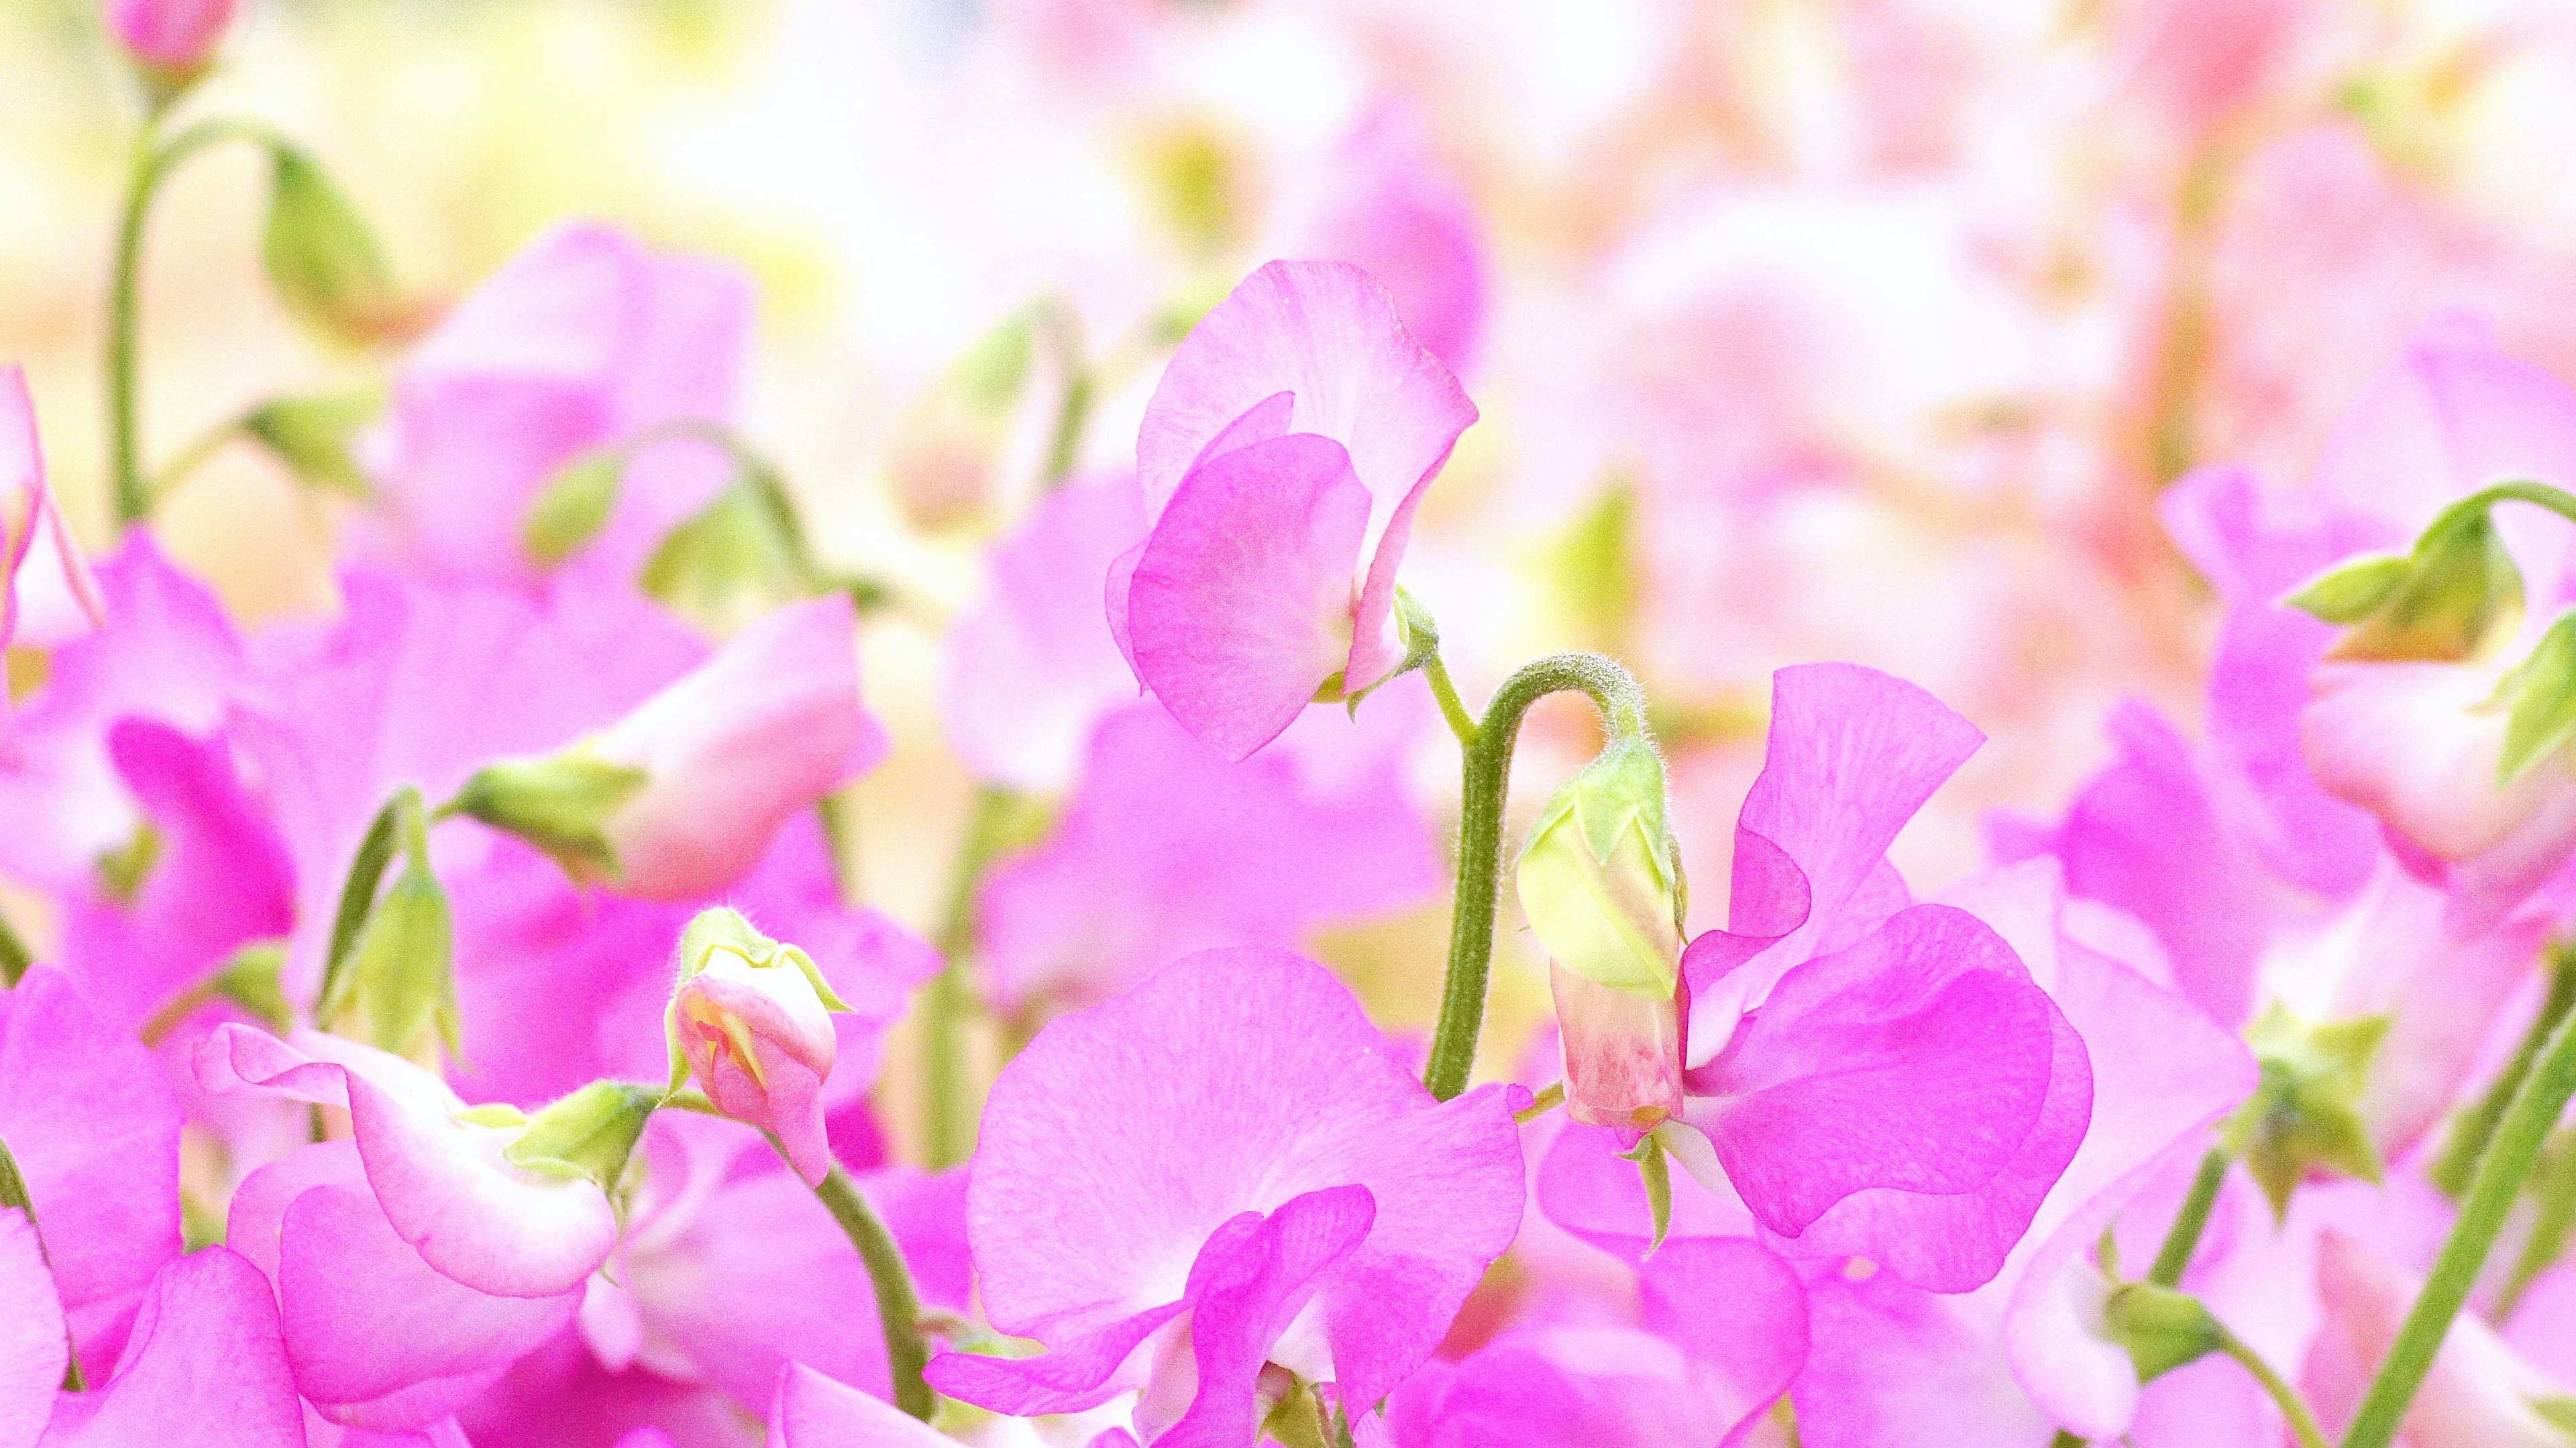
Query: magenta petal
point(366, 1318)
point(1247, 1285)
point(1080, 1372)
point(1240, 606)
point(1853, 754)
point(1736, 1310)
point(810, 1410)
point(1586, 1189)
point(206, 1365)
point(33, 1350)
point(95, 1130)
point(1917, 1059)
point(1958, 1241)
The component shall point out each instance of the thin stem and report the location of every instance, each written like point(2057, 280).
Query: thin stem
point(2302, 1422)
point(1461, 723)
point(1486, 783)
point(154, 160)
point(184, 465)
point(898, 1303)
point(2471, 1129)
point(2184, 1236)
point(948, 1124)
point(2492, 1190)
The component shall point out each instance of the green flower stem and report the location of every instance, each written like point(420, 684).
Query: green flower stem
point(13, 1193)
point(2303, 1423)
point(898, 1303)
point(1486, 784)
point(154, 160)
point(948, 1123)
point(2492, 1189)
point(1461, 723)
point(2184, 1236)
point(2472, 1128)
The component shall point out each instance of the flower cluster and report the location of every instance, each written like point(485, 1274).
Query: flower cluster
point(454, 1017)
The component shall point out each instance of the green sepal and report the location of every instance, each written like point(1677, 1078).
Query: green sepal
point(322, 258)
point(589, 1133)
point(1416, 630)
point(2541, 692)
point(1298, 1420)
point(316, 436)
point(1655, 1171)
point(2305, 1113)
point(2443, 601)
point(573, 506)
point(723, 927)
point(2162, 1329)
point(561, 803)
point(399, 986)
point(739, 557)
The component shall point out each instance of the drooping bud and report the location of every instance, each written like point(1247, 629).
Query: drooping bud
point(739, 557)
point(573, 506)
point(2442, 601)
point(680, 798)
point(315, 436)
point(322, 257)
point(589, 1133)
point(1600, 883)
point(2306, 1114)
point(2163, 1329)
point(397, 991)
point(750, 1020)
point(945, 450)
point(174, 38)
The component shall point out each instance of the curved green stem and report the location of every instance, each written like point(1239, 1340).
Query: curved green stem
point(2184, 1236)
point(154, 160)
point(898, 1303)
point(948, 1126)
point(2492, 1190)
point(1486, 784)
point(2303, 1423)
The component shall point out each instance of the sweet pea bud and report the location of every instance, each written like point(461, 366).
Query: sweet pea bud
point(2305, 1114)
point(1623, 1052)
point(171, 38)
point(573, 506)
point(2163, 1329)
point(560, 803)
point(750, 1020)
point(1600, 880)
point(739, 557)
point(321, 256)
point(945, 449)
point(2443, 601)
point(316, 436)
point(589, 1133)
point(398, 990)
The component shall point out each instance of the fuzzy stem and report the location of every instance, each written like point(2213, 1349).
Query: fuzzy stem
point(898, 1303)
point(1486, 784)
point(2492, 1190)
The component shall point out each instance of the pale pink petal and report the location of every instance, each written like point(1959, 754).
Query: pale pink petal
point(206, 1365)
point(47, 596)
point(33, 1349)
point(1737, 1311)
point(810, 1410)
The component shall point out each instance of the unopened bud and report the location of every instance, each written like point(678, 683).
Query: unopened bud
point(573, 506)
point(945, 450)
point(397, 991)
point(1601, 879)
point(2163, 1329)
point(171, 37)
point(316, 436)
point(321, 256)
point(750, 1020)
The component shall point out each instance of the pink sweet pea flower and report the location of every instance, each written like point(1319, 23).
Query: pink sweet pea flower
point(1291, 437)
point(768, 726)
point(583, 341)
point(810, 1410)
point(1382, 202)
point(205, 1365)
point(436, 1172)
point(2016, 1358)
point(758, 1039)
point(95, 1132)
point(170, 35)
point(33, 1347)
point(1167, 847)
point(1871, 1077)
point(1225, 1167)
point(46, 593)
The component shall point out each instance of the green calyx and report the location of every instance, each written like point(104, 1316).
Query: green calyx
point(724, 929)
point(322, 258)
point(315, 437)
point(573, 506)
point(587, 1134)
point(2305, 1114)
point(2444, 600)
point(1601, 880)
point(561, 803)
point(1655, 1172)
point(2540, 697)
point(2163, 1329)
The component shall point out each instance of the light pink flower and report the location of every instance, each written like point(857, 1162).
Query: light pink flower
point(1223, 1168)
point(762, 730)
point(759, 1041)
point(1382, 202)
point(812, 1411)
point(1292, 436)
point(205, 1365)
point(46, 592)
point(172, 35)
